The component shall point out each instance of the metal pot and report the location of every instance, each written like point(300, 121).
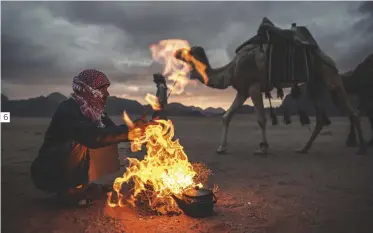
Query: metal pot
point(196, 202)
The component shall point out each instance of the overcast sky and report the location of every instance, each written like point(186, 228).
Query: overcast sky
point(44, 44)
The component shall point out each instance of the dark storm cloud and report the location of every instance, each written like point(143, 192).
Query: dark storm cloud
point(52, 41)
point(39, 46)
point(366, 24)
point(17, 57)
point(362, 30)
point(148, 22)
point(367, 8)
point(20, 58)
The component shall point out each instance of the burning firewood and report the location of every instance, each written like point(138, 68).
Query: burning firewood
point(164, 171)
point(202, 173)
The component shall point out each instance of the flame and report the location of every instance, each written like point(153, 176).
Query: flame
point(176, 70)
point(165, 169)
point(153, 101)
point(128, 120)
point(198, 65)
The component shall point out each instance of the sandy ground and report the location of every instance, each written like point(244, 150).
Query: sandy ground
point(328, 190)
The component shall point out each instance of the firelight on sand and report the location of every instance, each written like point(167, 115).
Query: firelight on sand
point(165, 169)
point(175, 69)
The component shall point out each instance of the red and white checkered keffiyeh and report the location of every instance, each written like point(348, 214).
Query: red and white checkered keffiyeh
point(87, 94)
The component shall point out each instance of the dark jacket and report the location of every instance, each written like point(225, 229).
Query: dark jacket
point(161, 94)
point(63, 159)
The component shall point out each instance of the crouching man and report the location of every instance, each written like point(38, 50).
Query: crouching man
point(81, 143)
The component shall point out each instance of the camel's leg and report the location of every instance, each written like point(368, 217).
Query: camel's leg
point(227, 117)
point(370, 117)
point(257, 99)
point(340, 95)
point(351, 138)
point(317, 129)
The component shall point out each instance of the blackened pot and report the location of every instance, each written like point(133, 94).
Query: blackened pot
point(196, 202)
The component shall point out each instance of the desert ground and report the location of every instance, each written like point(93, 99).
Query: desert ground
point(325, 191)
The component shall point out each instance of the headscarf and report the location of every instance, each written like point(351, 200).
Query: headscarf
point(159, 79)
point(87, 94)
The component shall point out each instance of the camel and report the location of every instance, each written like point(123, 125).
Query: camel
point(248, 75)
point(359, 83)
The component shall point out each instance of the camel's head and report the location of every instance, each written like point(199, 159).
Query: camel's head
point(181, 53)
point(196, 58)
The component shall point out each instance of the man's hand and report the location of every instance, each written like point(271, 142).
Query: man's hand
point(138, 130)
point(136, 133)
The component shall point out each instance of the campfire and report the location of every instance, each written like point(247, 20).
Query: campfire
point(165, 172)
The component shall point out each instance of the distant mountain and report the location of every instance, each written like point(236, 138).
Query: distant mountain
point(213, 111)
point(4, 98)
point(57, 97)
point(116, 105)
point(177, 109)
point(41, 106)
point(196, 108)
point(45, 106)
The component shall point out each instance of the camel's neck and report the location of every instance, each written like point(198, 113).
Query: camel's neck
point(219, 78)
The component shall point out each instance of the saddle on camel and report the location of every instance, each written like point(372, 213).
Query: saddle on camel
point(289, 61)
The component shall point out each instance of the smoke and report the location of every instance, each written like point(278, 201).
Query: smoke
point(122, 64)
